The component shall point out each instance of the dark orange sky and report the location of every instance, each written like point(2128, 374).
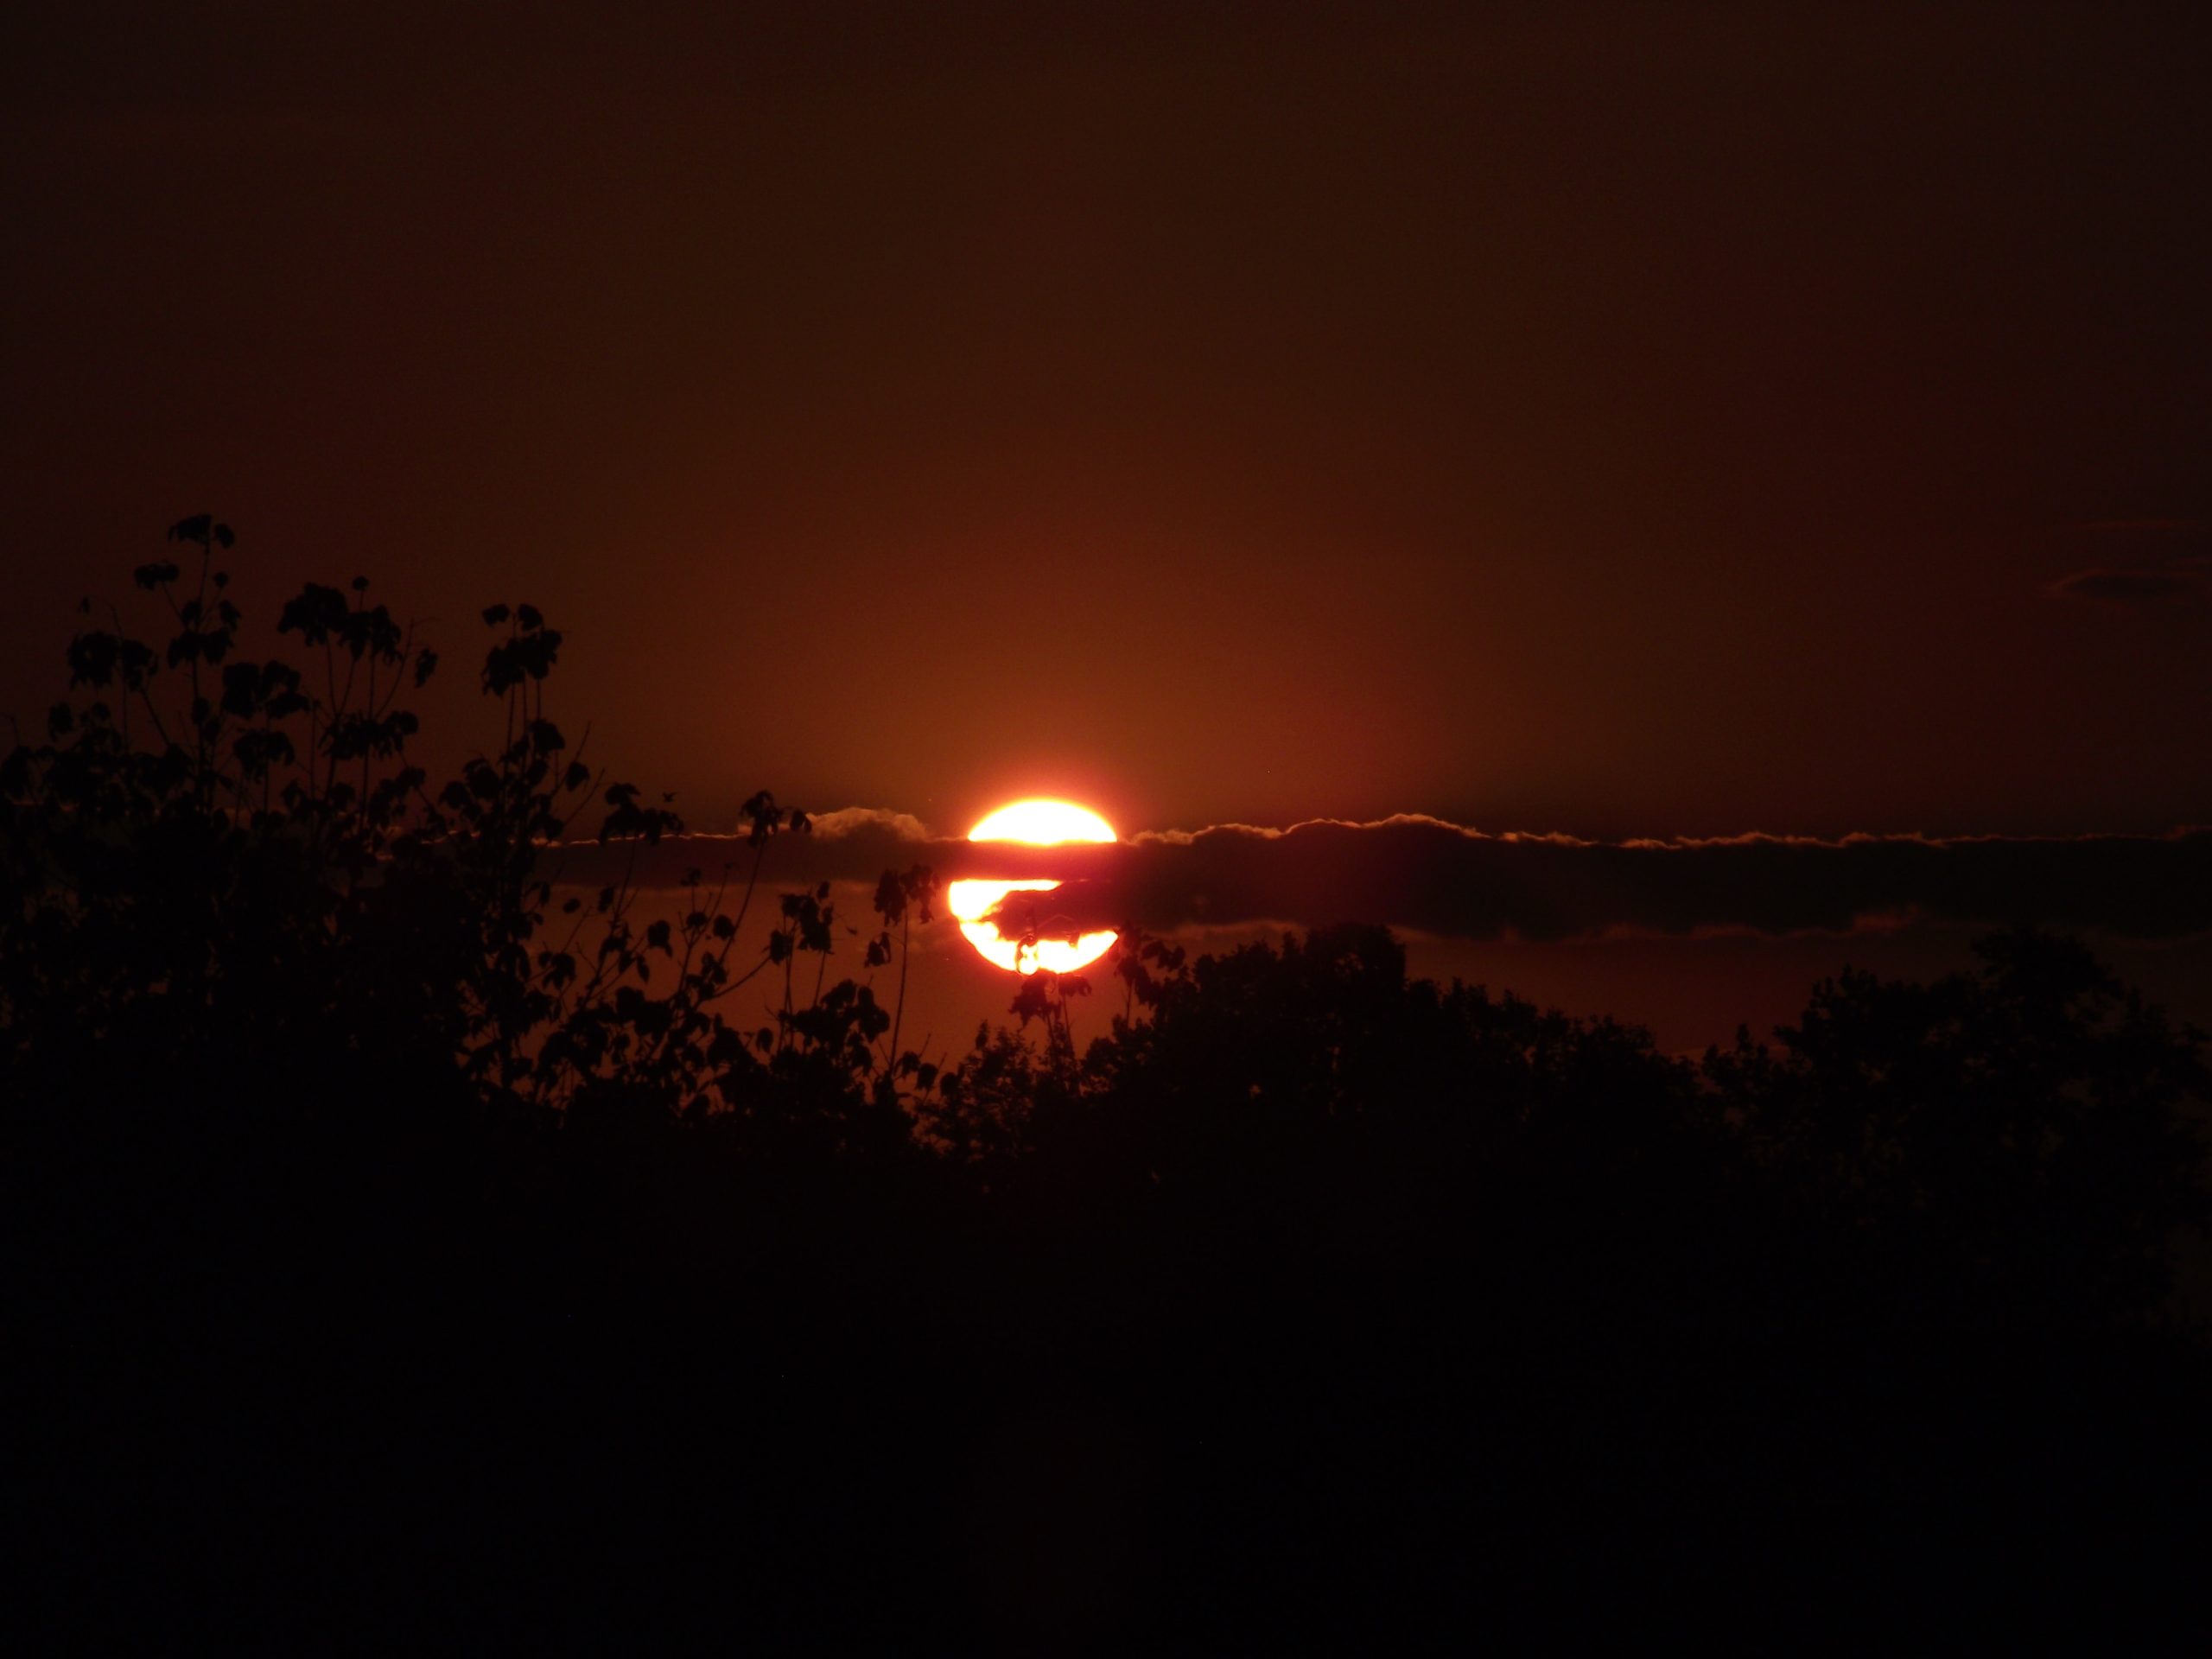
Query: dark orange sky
point(1616, 419)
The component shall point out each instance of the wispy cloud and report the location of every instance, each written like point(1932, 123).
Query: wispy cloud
point(2131, 586)
point(2137, 561)
point(1446, 879)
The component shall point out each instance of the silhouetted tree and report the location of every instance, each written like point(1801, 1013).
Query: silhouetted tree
point(2018, 1135)
point(374, 1202)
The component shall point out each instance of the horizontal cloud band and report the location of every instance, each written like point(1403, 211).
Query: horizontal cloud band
point(1441, 878)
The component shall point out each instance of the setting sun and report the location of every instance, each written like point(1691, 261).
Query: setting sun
point(1039, 823)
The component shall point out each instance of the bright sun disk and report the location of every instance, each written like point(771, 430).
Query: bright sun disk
point(1039, 823)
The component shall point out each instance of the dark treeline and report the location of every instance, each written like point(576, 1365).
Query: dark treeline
point(395, 1255)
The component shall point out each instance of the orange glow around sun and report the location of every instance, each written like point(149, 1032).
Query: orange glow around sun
point(1039, 823)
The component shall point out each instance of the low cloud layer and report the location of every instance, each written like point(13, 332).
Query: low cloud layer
point(1439, 878)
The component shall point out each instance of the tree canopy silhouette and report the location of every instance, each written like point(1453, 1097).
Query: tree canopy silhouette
point(373, 1202)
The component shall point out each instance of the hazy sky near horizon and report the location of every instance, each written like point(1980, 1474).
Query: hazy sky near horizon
point(1619, 420)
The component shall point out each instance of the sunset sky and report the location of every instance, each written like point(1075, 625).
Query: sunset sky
point(1610, 420)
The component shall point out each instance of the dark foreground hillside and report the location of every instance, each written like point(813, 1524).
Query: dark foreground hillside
point(384, 1266)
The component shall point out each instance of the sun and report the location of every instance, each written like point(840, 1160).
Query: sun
point(1039, 823)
